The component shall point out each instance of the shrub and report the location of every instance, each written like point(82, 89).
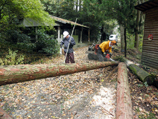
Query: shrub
point(12, 58)
point(46, 43)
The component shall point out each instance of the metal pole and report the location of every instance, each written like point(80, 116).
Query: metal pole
point(70, 39)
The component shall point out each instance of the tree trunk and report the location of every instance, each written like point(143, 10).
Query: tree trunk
point(80, 4)
point(4, 115)
point(136, 44)
point(20, 73)
point(125, 50)
point(124, 104)
point(122, 38)
point(143, 75)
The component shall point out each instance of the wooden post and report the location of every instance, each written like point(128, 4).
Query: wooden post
point(59, 34)
point(124, 104)
point(88, 35)
point(81, 35)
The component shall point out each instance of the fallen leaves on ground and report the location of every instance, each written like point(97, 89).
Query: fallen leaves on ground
point(144, 98)
point(67, 96)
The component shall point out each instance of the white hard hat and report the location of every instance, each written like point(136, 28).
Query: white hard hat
point(65, 33)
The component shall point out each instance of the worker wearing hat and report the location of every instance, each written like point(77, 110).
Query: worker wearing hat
point(104, 48)
point(68, 41)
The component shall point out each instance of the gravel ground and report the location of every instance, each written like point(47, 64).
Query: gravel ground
point(76, 96)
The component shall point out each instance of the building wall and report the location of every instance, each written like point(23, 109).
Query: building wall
point(150, 48)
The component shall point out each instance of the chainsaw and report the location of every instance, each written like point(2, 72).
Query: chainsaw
point(108, 57)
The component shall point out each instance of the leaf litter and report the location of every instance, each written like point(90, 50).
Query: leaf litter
point(74, 96)
point(78, 96)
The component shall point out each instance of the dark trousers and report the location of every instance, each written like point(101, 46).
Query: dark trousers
point(70, 57)
point(100, 55)
point(100, 51)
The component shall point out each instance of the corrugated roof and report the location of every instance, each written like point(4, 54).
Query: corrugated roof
point(147, 5)
point(64, 21)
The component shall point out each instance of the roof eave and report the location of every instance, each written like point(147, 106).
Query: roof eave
point(147, 5)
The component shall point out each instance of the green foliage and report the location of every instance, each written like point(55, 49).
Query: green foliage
point(146, 84)
point(12, 11)
point(45, 43)
point(131, 41)
point(147, 116)
point(20, 41)
point(89, 14)
point(119, 58)
point(140, 85)
point(63, 9)
point(12, 58)
point(15, 36)
point(110, 25)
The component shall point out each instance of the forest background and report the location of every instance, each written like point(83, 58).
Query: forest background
point(102, 16)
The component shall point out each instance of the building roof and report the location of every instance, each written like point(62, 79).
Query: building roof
point(28, 22)
point(147, 5)
point(64, 21)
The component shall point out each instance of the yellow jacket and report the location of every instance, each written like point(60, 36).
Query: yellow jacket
point(105, 46)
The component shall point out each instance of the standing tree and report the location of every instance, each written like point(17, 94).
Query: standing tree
point(139, 24)
point(123, 12)
point(11, 11)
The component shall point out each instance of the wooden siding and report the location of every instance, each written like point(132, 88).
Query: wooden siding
point(150, 48)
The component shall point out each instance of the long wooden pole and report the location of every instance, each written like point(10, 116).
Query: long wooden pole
point(70, 39)
point(124, 103)
point(21, 73)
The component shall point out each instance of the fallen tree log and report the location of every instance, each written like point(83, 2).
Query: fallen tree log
point(20, 73)
point(143, 75)
point(124, 104)
point(4, 115)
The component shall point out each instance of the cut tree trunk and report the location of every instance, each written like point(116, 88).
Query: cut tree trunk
point(20, 73)
point(4, 115)
point(143, 75)
point(124, 104)
point(122, 38)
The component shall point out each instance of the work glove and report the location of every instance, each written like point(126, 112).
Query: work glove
point(110, 54)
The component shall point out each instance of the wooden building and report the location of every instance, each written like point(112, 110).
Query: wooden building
point(150, 39)
point(61, 25)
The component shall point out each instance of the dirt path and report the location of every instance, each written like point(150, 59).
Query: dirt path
point(76, 96)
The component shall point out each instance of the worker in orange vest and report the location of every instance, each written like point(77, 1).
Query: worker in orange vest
point(104, 49)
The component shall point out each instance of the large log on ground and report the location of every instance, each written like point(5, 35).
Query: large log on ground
point(143, 75)
point(4, 115)
point(124, 104)
point(20, 73)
